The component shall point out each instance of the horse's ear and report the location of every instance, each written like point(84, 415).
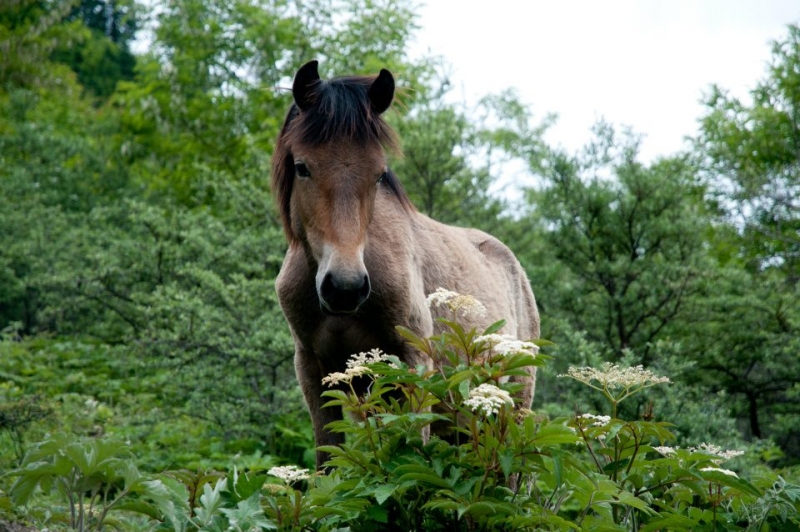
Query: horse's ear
point(381, 91)
point(305, 84)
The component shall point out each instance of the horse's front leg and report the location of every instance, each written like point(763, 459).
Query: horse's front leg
point(308, 374)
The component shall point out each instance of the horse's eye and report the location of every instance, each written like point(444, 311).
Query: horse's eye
point(302, 170)
point(382, 177)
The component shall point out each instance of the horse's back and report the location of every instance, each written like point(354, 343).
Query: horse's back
point(472, 262)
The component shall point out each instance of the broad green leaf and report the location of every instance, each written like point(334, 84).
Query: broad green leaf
point(629, 499)
point(731, 481)
point(210, 502)
point(382, 493)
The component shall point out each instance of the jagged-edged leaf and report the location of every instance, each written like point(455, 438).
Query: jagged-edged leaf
point(247, 484)
point(382, 493)
point(248, 515)
point(494, 327)
point(171, 498)
point(630, 499)
point(553, 434)
point(730, 480)
point(210, 502)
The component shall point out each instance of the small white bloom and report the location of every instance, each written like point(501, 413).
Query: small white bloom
point(505, 344)
point(289, 474)
point(612, 376)
point(599, 421)
point(357, 366)
point(488, 398)
point(665, 450)
point(716, 451)
point(336, 378)
point(463, 305)
point(493, 339)
point(720, 470)
point(371, 357)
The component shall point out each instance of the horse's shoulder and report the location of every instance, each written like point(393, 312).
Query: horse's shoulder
point(294, 274)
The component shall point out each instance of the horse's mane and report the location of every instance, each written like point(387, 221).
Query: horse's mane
point(341, 110)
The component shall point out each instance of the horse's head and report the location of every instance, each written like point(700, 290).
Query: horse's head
point(328, 167)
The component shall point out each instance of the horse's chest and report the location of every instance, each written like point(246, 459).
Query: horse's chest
point(336, 338)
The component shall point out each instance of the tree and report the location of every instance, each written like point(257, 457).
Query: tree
point(29, 31)
point(750, 154)
point(103, 57)
point(749, 157)
point(630, 237)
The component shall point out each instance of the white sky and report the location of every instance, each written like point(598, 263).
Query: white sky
point(641, 63)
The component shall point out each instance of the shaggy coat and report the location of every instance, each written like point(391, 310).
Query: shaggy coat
point(361, 259)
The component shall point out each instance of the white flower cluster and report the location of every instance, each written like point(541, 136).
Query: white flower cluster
point(356, 366)
point(720, 470)
point(463, 305)
point(665, 450)
point(599, 421)
point(715, 450)
point(289, 474)
point(488, 398)
point(504, 344)
point(612, 376)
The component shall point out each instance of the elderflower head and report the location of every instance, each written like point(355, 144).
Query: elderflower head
point(665, 450)
point(599, 421)
point(716, 451)
point(505, 344)
point(487, 398)
point(356, 367)
point(289, 474)
point(612, 376)
point(463, 305)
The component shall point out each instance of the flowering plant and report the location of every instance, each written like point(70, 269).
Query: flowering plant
point(442, 446)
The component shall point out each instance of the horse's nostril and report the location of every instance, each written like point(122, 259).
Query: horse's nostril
point(344, 294)
point(327, 288)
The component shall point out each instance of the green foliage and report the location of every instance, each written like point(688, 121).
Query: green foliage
point(450, 161)
point(103, 58)
point(138, 249)
point(747, 155)
point(29, 31)
point(501, 468)
point(93, 478)
point(630, 236)
point(748, 152)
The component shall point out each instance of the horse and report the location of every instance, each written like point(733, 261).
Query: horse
point(361, 259)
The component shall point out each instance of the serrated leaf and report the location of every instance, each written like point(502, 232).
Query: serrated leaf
point(248, 515)
point(731, 481)
point(382, 493)
point(630, 499)
point(506, 459)
point(458, 378)
point(248, 483)
point(494, 327)
point(210, 502)
point(554, 434)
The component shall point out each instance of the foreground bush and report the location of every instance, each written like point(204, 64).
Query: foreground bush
point(498, 468)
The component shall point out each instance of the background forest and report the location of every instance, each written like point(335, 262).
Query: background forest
point(139, 245)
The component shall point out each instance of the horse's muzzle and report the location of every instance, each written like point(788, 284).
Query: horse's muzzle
point(343, 294)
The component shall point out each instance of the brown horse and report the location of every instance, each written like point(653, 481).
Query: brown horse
point(361, 259)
